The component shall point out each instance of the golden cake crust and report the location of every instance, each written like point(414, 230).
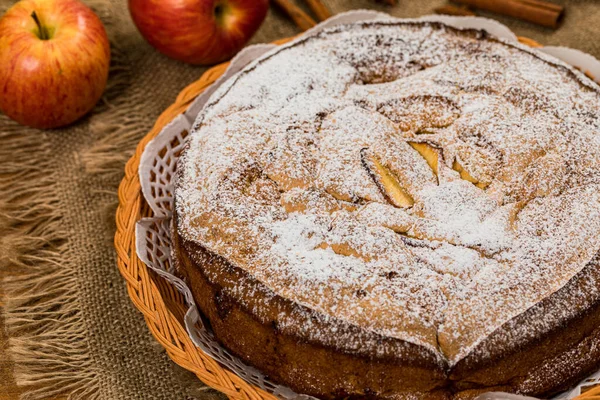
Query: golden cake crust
point(416, 220)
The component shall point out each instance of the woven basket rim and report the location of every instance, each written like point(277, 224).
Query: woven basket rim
point(162, 306)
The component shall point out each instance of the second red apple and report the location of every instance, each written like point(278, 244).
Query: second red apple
point(198, 31)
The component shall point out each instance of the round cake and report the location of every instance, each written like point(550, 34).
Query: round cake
point(398, 209)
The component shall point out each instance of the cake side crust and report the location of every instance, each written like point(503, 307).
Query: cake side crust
point(541, 367)
point(312, 367)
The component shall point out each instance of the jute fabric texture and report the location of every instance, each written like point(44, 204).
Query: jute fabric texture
point(68, 326)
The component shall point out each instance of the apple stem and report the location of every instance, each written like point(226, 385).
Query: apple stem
point(43, 32)
point(218, 11)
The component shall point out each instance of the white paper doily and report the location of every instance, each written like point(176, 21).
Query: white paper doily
point(157, 171)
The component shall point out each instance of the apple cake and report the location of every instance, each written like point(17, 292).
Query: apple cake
point(395, 210)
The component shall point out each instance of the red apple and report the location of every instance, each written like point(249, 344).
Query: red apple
point(54, 58)
point(198, 31)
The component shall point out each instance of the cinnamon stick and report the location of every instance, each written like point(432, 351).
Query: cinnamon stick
point(543, 4)
point(300, 18)
point(536, 11)
point(452, 10)
point(319, 9)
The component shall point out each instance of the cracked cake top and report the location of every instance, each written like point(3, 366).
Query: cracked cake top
point(421, 182)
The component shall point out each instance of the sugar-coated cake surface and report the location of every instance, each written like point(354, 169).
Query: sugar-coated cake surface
point(402, 181)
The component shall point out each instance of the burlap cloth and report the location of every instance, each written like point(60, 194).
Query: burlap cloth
point(68, 326)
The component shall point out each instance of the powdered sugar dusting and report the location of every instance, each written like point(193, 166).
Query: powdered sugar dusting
point(280, 178)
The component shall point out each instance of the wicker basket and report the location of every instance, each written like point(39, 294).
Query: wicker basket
point(162, 305)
